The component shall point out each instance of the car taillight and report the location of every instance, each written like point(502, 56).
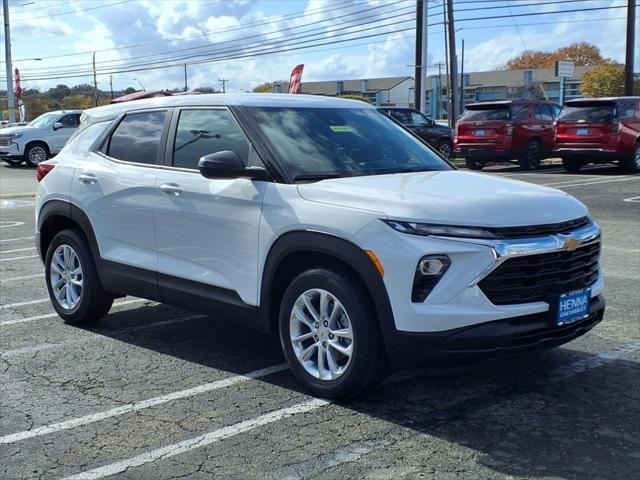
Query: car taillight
point(509, 130)
point(44, 168)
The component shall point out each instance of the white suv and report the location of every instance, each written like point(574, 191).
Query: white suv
point(40, 139)
point(317, 218)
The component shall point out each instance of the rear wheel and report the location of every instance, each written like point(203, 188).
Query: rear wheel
point(571, 164)
point(72, 280)
point(532, 157)
point(446, 149)
point(473, 164)
point(35, 153)
point(632, 164)
point(329, 333)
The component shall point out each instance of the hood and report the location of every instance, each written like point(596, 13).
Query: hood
point(450, 198)
point(11, 130)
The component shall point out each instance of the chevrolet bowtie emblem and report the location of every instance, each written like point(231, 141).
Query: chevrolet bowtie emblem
point(571, 244)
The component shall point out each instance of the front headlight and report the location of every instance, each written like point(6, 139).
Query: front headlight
point(15, 135)
point(426, 229)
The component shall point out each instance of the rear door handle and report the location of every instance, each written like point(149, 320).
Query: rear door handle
point(171, 189)
point(88, 178)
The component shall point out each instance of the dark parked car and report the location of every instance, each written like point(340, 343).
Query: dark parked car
point(438, 136)
point(599, 130)
point(507, 130)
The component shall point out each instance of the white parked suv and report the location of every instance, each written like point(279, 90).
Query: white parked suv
point(319, 219)
point(40, 139)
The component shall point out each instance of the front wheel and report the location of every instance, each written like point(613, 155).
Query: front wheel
point(36, 153)
point(532, 158)
point(632, 164)
point(72, 280)
point(329, 333)
point(446, 149)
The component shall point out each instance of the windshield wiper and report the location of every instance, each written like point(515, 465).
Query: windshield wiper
point(315, 176)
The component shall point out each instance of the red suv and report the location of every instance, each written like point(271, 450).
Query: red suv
point(599, 130)
point(506, 130)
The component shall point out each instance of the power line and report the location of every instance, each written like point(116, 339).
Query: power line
point(72, 12)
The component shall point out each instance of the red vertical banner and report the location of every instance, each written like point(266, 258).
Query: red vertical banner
point(18, 86)
point(296, 79)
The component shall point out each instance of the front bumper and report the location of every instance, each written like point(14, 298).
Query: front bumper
point(11, 151)
point(500, 338)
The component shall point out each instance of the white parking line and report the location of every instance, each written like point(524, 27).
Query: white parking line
point(579, 184)
point(200, 441)
point(26, 277)
point(18, 250)
point(4, 240)
point(99, 337)
point(244, 426)
point(18, 258)
point(632, 199)
point(8, 224)
point(23, 304)
point(53, 315)
point(135, 406)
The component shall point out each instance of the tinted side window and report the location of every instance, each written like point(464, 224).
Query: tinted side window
point(520, 112)
point(542, 112)
point(201, 132)
point(626, 110)
point(401, 116)
point(137, 137)
point(70, 121)
point(555, 110)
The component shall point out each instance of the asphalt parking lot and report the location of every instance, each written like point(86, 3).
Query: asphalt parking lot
point(155, 392)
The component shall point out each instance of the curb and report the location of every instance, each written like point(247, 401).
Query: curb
point(11, 196)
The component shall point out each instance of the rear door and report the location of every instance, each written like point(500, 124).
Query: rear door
point(207, 229)
point(115, 187)
point(542, 124)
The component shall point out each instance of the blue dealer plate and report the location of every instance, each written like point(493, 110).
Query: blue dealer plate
point(573, 306)
point(480, 133)
point(582, 131)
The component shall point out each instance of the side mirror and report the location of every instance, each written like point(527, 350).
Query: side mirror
point(227, 164)
point(58, 126)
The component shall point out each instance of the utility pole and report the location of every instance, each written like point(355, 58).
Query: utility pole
point(186, 86)
point(11, 102)
point(425, 61)
point(95, 82)
point(417, 90)
point(462, 80)
point(224, 84)
point(628, 61)
point(453, 67)
point(446, 60)
point(111, 85)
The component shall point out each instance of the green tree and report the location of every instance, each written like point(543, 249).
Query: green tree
point(605, 80)
point(264, 88)
point(356, 97)
point(77, 102)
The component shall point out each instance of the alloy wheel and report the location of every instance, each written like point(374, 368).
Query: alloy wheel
point(637, 157)
point(533, 157)
point(445, 150)
point(321, 334)
point(66, 277)
point(37, 154)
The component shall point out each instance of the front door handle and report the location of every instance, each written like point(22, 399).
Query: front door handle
point(171, 189)
point(88, 178)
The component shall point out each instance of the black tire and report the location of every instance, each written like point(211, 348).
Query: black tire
point(632, 164)
point(94, 303)
point(368, 362)
point(571, 164)
point(445, 147)
point(14, 162)
point(532, 157)
point(473, 164)
point(35, 153)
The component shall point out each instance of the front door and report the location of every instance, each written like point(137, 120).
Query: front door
point(207, 230)
point(59, 136)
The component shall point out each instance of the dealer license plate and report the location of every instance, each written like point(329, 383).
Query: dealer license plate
point(582, 131)
point(573, 306)
point(480, 133)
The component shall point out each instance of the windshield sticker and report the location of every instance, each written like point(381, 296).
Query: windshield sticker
point(340, 128)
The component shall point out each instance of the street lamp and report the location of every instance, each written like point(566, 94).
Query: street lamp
point(144, 89)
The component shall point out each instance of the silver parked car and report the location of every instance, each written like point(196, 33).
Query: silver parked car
point(40, 139)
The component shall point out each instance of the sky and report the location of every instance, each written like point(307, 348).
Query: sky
point(65, 33)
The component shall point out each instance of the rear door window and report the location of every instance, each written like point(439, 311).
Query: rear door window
point(137, 138)
point(486, 113)
point(520, 113)
point(626, 110)
point(542, 112)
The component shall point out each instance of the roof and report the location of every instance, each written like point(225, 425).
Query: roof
point(231, 99)
point(139, 95)
point(602, 99)
point(504, 102)
point(373, 84)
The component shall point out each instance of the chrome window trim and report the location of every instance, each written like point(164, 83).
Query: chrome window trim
point(519, 247)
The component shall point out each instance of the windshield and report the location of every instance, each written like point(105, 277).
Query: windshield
point(44, 120)
point(322, 142)
point(587, 113)
point(489, 112)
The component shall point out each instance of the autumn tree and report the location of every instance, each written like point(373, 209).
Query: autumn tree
point(77, 102)
point(264, 88)
point(605, 80)
point(581, 53)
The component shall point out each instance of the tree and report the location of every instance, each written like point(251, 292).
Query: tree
point(581, 53)
point(205, 90)
point(605, 80)
point(59, 91)
point(356, 97)
point(129, 90)
point(76, 102)
point(264, 88)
